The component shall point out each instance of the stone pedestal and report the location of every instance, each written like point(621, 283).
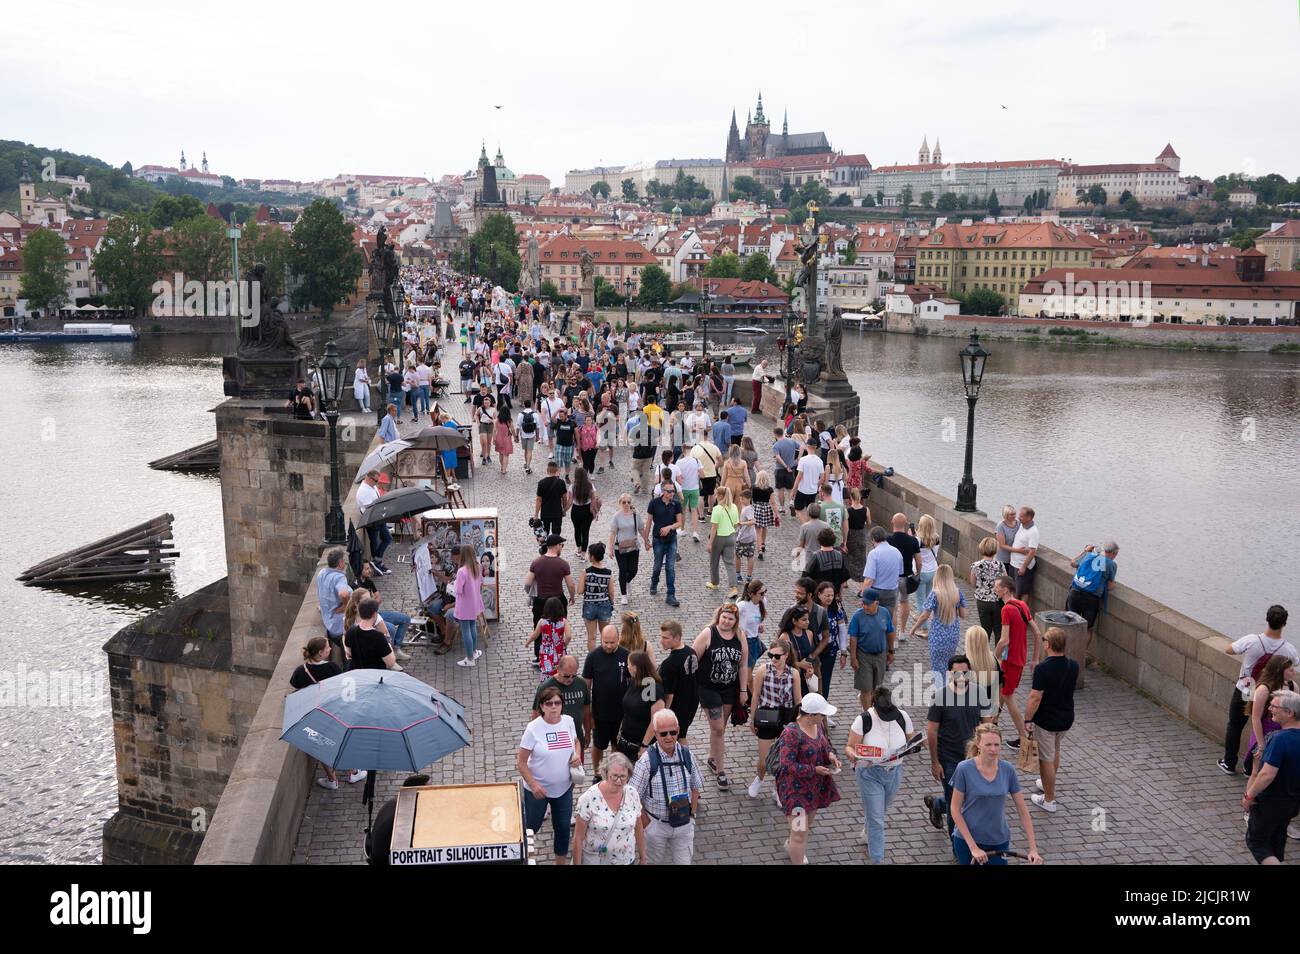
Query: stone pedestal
point(843, 406)
point(587, 302)
point(268, 378)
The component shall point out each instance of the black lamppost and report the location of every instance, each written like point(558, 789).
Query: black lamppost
point(786, 346)
point(973, 358)
point(380, 322)
point(331, 369)
point(704, 319)
point(627, 303)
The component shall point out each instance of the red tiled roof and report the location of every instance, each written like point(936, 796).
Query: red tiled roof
point(1115, 167)
point(1175, 279)
point(603, 251)
point(1288, 229)
point(998, 235)
point(1167, 152)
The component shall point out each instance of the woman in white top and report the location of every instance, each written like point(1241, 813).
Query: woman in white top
point(753, 611)
point(608, 829)
point(548, 751)
point(927, 534)
point(873, 749)
point(361, 386)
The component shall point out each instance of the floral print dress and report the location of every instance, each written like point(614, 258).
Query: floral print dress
point(614, 832)
point(797, 783)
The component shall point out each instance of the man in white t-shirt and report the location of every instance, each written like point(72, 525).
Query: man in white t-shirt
point(1252, 649)
point(689, 470)
point(380, 537)
point(1023, 549)
point(698, 423)
point(808, 472)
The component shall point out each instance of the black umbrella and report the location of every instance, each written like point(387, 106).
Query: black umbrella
point(438, 438)
point(355, 553)
point(402, 503)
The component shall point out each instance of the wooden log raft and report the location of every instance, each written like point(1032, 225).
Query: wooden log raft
point(205, 457)
point(134, 554)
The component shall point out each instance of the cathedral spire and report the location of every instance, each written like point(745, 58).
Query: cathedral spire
point(482, 155)
point(923, 155)
point(758, 113)
point(785, 123)
point(938, 152)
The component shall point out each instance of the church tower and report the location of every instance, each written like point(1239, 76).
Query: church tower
point(756, 133)
point(205, 160)
point(482, 155)
point(938, 153)
point(734, 153)
point(26, 195)
point(183, 165)
point(923, 155)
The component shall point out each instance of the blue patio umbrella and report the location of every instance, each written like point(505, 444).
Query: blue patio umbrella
point(374, 719)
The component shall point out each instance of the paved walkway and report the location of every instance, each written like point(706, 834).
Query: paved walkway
point(1138, 785)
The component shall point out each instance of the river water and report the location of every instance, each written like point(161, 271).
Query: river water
point(1188, 460)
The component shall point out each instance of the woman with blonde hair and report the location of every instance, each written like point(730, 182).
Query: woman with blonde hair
point(835, 473)
point(987, 779)
point(733, 474)
point(723, 524)
point(764, 515)
point(984, 672)
point(1005, 532)
point(984, 573)
point(927, 535)
point(855, 540)
point(750, 457)
point(947, 606)
point(631, 637)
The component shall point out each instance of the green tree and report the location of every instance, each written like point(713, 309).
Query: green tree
point(1096, 195)
point(170, 209)
point(44, 281)
point(756, 268)
point(129, 261)
point(843, 199)
point(324, 256)
point(927, 199)
point(814, 191)
point(797, 214)
point(982, 301)
point(1125, 196)
point(880, 197)
point(605, 293)
point(869, 201)
point(747, 187)
point(600, 188)
point(726, 265)
point(787, 192)
point(963, 201)
point(548, 290)
point(850, 254)
point(199, 245)
point(906, 197)
point(496, 233)
point(1132, 207)
point(994, 206)
point(270, 245)
point(681, 288)
point(1220, 194)
point(655, 287)
point(947, 202)
point(128, 169)
point(629, 189)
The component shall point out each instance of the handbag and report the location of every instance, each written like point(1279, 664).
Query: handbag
point(739, 713)
point(1028, 760)
point(767, 719)
point(627, 546)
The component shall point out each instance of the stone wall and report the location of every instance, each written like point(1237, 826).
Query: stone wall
point(274, 494)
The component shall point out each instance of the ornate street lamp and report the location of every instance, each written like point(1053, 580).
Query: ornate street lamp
point(704, 319)
point(627, 303)
point(380, 322)
point(973, 359)
point(332, 372)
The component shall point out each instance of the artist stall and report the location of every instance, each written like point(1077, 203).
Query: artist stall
point(447, 530)
point(459, 825)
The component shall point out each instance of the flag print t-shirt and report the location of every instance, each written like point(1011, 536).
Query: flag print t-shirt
point(550, 747)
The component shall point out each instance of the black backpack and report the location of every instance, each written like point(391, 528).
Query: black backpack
point(528, 423)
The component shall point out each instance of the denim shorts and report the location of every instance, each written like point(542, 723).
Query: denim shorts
point(600, 611)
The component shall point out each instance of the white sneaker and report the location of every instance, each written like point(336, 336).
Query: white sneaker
point(862, 837)
point(695, 537)
point(397, 668)
point(478, 654)
point(357, 775)
point(755, 787)
point(1038, 784)
point(400, 655)
point(623, 598)
point(467, 663)
point(326, 783)
point(1042, 802)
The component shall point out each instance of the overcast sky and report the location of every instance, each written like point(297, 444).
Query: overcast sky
point(302, 90)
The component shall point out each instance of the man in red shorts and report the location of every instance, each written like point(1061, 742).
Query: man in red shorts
point(1017, 620)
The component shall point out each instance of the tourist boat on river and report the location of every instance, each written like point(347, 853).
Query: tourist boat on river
point(72, 333)
point(739, 354)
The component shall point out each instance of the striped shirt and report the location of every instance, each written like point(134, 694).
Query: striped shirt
point(649, 784)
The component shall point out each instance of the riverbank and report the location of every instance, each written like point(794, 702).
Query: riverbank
point(1270, 339)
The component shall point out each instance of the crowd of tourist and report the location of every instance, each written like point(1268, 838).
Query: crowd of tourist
point(581, 400)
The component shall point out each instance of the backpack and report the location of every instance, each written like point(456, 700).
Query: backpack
point(1260, 663)
point(528, 423)
point(587, 435)
point(1091, 577)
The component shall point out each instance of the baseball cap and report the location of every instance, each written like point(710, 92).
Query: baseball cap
point(554, 540)
point(870, 595)
point(814, 703)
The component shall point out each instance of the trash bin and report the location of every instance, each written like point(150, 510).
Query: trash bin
point(1076, 636)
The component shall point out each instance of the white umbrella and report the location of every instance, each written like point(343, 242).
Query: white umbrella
point(381, 458)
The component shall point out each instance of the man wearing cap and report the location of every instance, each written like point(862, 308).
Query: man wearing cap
point(872, 629)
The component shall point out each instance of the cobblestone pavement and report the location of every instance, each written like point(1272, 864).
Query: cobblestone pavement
point(1137, 784)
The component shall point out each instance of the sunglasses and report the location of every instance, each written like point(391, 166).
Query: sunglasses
point(777, 655)
point(552, 702)
point(667, 734)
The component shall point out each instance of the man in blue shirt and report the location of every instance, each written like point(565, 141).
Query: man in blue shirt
point(1273, 795)
point(660, 533)
point(872, 628)
point(1093, 576)
point(884, 567)
point(388, 426)
point(720, 433)
point(785, 450)
point(737, 415)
